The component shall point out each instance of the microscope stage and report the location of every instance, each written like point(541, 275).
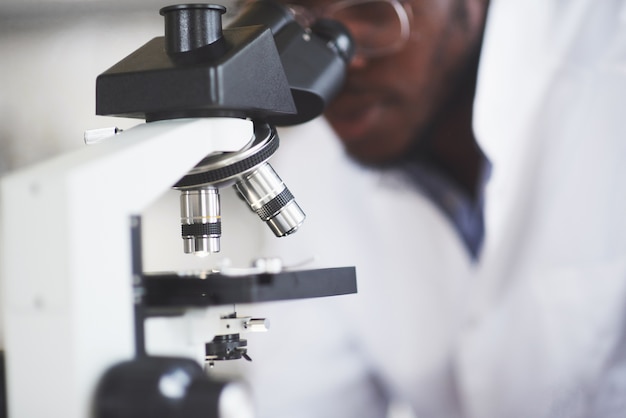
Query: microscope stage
point(173, 290)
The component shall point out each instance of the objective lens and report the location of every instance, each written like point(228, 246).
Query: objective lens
point(268, 196)
point(253, 178)
point(200, 219)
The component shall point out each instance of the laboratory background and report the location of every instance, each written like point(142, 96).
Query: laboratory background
point(52, 51)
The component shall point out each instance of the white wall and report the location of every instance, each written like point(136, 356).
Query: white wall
point(50, 55)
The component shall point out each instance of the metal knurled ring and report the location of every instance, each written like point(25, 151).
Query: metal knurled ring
point(231, 170)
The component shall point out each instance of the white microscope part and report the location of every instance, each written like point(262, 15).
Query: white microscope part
point(72, 306)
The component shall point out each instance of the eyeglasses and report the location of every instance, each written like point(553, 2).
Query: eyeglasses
point(379, 27)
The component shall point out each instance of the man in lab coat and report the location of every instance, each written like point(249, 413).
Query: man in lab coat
point(391, 181)
point(535, 331)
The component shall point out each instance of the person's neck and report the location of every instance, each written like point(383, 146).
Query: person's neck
point(452, 145)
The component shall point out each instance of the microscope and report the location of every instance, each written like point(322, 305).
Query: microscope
point(81, 318)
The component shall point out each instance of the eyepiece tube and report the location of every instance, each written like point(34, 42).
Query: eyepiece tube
point(191, 26)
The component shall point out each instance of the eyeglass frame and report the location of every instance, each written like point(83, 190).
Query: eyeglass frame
point(402, 8)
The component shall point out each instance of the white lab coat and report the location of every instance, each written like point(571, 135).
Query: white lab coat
point(549, 307)
point(347, 356)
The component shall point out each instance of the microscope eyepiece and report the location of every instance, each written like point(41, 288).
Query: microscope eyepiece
point(315, 59)
point(191, 26)
point(338, 37)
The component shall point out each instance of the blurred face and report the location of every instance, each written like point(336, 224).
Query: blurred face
point(393, 98)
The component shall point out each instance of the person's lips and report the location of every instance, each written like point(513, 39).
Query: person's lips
point(353, 121)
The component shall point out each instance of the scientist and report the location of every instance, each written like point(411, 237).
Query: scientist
point(408, 99)
point(391, 181)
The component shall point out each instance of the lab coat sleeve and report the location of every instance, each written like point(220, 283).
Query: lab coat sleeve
point(549, 306)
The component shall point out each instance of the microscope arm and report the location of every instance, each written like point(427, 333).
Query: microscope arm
point(66, 273)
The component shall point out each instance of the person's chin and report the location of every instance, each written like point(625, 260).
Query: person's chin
point(370, 154)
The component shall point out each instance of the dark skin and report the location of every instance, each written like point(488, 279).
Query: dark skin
point(451, 145)
point(416, 103)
